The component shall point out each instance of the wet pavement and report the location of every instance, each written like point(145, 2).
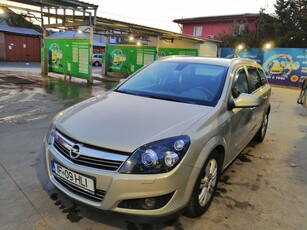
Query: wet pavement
point(265, 187)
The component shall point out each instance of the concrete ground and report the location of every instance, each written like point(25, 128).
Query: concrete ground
point(265, 187)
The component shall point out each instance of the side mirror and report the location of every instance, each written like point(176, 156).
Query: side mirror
point(243, 101)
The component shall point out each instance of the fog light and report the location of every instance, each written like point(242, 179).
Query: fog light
point(150, 203)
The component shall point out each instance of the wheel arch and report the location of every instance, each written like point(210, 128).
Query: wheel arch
point(221, 152)
point(269, 109)
point(217, 143)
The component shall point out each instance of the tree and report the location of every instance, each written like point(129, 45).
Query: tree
point(266, 28)
point(291, 23)
point(246, 37)
point(287, 27)
point(21, 20)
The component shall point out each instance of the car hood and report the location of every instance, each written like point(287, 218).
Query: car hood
point(125, 122)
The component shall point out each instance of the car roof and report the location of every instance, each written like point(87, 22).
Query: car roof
point(207, 60)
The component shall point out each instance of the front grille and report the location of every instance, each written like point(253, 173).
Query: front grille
point(97, 196)
point(64, 145)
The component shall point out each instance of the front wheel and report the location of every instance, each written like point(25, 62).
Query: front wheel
point(259, 137)
point(205, 186)
point(96, 63)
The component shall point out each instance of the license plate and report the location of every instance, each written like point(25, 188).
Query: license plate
point(72, 177)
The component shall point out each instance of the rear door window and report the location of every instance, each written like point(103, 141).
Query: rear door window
point(254, 77)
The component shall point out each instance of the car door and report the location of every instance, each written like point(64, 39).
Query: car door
point(261, 91)
point(240, 118)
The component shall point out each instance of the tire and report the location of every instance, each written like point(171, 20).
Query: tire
point(205, 186)
point(259, 137)
point(96, 63)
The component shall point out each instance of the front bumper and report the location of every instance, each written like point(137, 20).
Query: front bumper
point(116, 188)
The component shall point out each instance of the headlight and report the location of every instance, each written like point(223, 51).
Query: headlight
point(50, 131)
point(157, 157)
point(50, 134)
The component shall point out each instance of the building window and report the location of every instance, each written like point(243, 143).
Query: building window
point(238, 28)
point(197, 31)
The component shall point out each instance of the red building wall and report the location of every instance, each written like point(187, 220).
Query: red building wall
point(215, 28)
point(2, 47)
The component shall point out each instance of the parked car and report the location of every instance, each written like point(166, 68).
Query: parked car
point(158, 142)
point(97, 59)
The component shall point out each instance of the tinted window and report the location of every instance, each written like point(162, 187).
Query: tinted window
point(254, 77)
point(178, 81)
point(240, 84)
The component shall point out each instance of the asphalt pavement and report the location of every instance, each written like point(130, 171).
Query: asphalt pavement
point(264, 188)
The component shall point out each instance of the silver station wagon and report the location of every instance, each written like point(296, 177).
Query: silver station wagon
point(158, 142)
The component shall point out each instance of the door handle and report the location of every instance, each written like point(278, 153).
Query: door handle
point(265, 97)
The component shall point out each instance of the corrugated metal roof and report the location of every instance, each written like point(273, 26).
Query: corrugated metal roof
point(19, 30)
point(72, 34)
point(68, 34)
point(58, 3)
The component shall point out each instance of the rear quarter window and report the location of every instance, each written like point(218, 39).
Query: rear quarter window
point(263, 77)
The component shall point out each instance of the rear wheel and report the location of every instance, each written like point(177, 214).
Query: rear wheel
point(259, 137)
point(205, 186)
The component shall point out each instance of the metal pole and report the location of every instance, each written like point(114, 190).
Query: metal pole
point(106, 64)
point(90, 81)
point(158, 47)
point(44, 62)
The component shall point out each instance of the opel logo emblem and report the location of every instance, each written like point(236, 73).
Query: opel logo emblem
point(74, 151)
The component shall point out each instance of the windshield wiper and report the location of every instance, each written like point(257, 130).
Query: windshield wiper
point(161, 98)
point(155, 96)
point(126, 92)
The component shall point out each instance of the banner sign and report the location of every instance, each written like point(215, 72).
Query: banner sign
point(283, 66)
point(175, 51)
point(69, 56)
point(253, 54)
point(128, 59)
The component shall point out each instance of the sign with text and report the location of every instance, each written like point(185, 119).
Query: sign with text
point(177, 51)
point(128, 59)
point(283, 66)
point(253, 54)
point(69, 56)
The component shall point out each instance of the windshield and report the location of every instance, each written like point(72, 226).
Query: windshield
point(178, 81)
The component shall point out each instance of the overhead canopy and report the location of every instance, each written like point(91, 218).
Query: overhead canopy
point(59, 3)
point(69, 14)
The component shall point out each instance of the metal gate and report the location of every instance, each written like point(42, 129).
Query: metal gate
point(22, 48)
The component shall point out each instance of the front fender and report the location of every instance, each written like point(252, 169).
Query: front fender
point(213, 143)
